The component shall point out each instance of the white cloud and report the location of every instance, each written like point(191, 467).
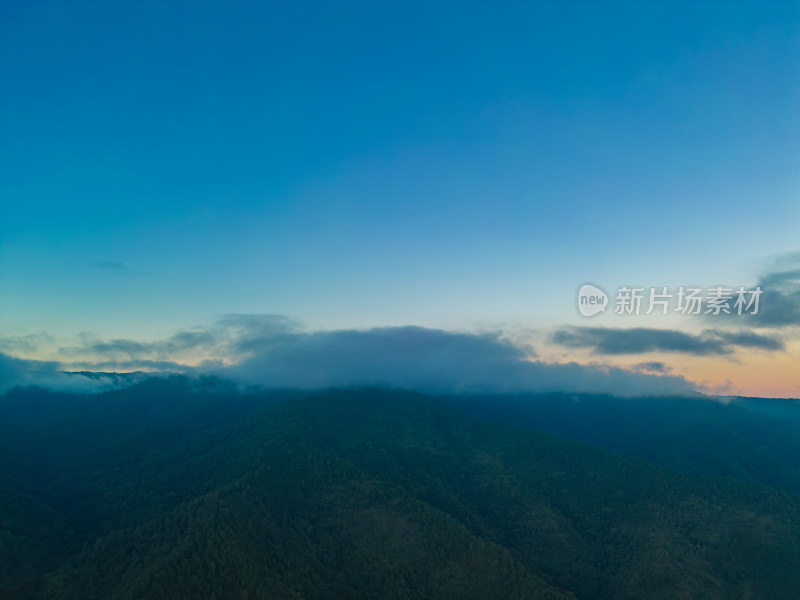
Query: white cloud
point(23, 372)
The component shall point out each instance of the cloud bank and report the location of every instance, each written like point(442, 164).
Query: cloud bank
point(21, 372)
point(273, 351)
point(428, 360)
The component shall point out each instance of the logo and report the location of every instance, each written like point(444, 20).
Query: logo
point(591, 300)
point(716, 301)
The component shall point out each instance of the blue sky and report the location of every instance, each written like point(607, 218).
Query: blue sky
point(463, 166)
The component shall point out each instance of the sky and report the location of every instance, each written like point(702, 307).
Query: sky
point(177, 177)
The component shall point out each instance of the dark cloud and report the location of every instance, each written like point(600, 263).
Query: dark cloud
point(779, 305)
point(429, 360)
point(610, 341)
point(639, 340)
point(748, 339)
point(652, 367)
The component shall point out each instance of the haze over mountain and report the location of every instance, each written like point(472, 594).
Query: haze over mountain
point(265, 350)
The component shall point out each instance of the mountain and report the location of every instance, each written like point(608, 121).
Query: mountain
point(749, 439)
point(174, 489)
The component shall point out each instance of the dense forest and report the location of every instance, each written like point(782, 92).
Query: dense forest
point(177, 488)
point(750, 439)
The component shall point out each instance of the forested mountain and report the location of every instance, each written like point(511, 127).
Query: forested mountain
point(181, 489)
point(749, 439)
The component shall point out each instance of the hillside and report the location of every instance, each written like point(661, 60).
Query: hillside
point(361, 494)
point(748, 439)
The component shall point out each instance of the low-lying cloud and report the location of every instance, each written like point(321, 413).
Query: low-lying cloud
point(273, 351)
point(430, 360)
point(20, 372)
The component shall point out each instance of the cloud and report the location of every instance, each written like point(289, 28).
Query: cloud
point(21, 372)
point(255, 333)
point(125, 366)
point(186, 340)
point(231, 338)
point(114, 267)
point(780, 301)
point(640, 340)
point(24, 344)
point(123, 347)
point(127, 350)
point(652, 367)
point(747, 339)
point(429, 360)
point(274, 351)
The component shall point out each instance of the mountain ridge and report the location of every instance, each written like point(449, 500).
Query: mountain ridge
point(364, 492)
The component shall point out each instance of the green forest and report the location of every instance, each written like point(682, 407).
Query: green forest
point(176, 488)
